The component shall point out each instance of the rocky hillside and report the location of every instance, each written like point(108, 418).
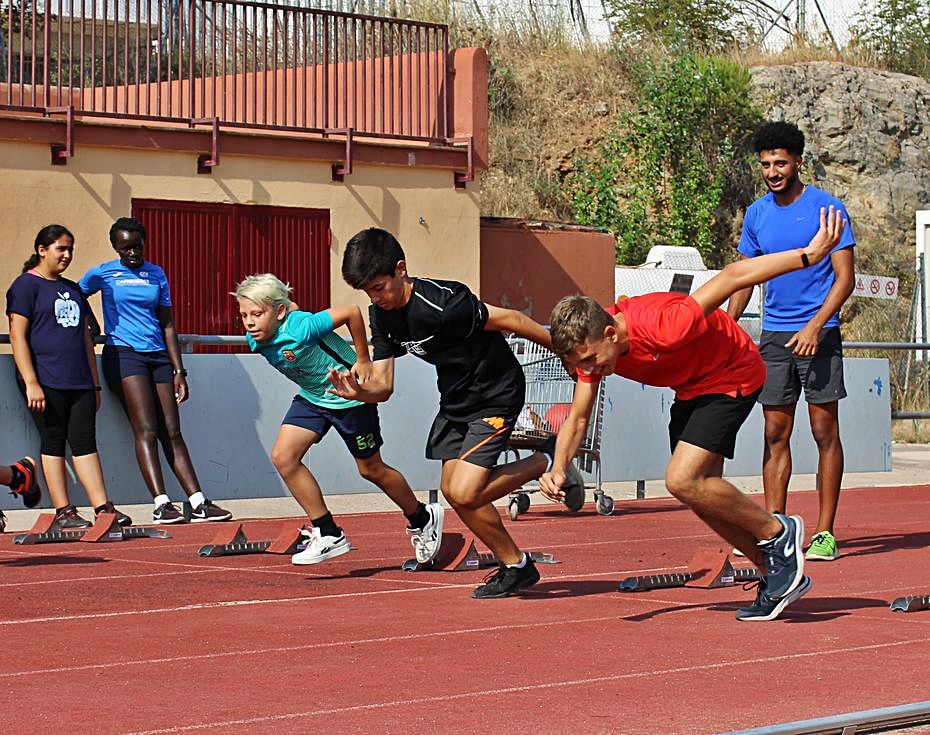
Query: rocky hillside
point(868, 142)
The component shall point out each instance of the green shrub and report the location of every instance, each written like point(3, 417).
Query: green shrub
point(676, 169)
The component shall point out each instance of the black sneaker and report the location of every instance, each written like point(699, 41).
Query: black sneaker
point(28, 488)
point(68, 519)
point(768, 608)
point(784, 557)
point(167, 513)
point(108, 507)
point(2, 522)
point(207, 511)
point(507, 580)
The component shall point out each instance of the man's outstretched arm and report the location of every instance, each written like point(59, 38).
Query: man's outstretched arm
point(752, 271)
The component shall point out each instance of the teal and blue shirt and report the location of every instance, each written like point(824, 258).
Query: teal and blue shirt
point(304, 349)
point(792, 300)
point(130, 298)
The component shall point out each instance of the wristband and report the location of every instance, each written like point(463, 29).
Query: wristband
point(804, 258)
point(180, 371)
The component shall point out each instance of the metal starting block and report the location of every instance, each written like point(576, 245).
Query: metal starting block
point(911, 603)
point(232, 541)
point(710, 568)
point(457, 555)
point(105, 528)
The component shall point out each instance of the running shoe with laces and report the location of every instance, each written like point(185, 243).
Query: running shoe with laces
point(167, 513)
point(507, 580)
point(783, 557)
point(766, 607)
point(69, 519)
point(2, 522)
point(108, 507)
point(823, 547)
point(320, 548)
point(28, 487)
point(208, 511)
point(427, 540)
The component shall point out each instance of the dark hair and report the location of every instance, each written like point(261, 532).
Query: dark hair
point(369, 254)
point(47, 236)
point(128, 224)
point(770, 136)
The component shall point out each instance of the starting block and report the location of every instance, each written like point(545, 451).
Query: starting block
point(710, 568)
point(911, 603)
point(232, 541)
point(105, 528)
point(458, 555)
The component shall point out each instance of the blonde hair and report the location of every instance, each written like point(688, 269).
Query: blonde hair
point(575, 320)
point(265, 289)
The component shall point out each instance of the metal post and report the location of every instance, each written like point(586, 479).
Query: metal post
point(640, 489)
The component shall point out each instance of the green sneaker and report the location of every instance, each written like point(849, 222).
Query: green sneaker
point(822, 548)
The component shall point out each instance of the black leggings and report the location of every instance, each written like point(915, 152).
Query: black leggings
point(70, 416)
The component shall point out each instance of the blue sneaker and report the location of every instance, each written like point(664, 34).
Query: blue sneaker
point(784, 557)
point(768, 608)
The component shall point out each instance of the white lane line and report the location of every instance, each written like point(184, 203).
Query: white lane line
point(532, 687)
point(286, 600)
point(308, 646)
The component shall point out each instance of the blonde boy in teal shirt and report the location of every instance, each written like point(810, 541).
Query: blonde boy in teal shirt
point(303, 346)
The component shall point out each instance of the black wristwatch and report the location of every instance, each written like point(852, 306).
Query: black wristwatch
point(180, 371)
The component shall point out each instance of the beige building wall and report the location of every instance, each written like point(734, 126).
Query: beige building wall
point(437, 225)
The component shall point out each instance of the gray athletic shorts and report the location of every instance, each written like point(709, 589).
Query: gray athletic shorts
point(821, 375)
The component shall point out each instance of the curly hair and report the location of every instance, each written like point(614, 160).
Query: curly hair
point(773, 135)
point(126, 224)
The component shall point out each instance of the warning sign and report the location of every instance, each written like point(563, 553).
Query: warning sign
point(876, 287)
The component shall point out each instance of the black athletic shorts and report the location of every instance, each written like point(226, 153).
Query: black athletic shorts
point(479, 441)
point(710, 422)
point(821, 375)
point(358, 426)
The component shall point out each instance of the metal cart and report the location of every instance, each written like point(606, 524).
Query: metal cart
point(548, 398)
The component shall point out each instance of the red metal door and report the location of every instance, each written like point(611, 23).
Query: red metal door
point(206, 248)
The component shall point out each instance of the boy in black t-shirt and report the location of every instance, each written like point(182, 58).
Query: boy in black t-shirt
point(480, 383)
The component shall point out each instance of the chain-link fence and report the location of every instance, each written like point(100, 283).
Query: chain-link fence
point(895, 324)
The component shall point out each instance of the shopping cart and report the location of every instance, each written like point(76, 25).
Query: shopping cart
point(548, 398)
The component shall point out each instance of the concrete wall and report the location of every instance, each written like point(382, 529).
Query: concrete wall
point(98, 184)
point(531, 268)
point(237, 403)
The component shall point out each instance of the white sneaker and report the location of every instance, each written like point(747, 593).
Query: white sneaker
point(427, 540)
point(320, 548)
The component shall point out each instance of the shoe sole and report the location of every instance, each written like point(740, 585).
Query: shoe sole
point(797, 593)
point(819, 557)
point(225, 517)
point(331, 554)
point(798, 554)
point(523, 586)
point(161, 522)
point(442, 516)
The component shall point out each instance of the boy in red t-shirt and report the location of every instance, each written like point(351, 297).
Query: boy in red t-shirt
point(688, 344)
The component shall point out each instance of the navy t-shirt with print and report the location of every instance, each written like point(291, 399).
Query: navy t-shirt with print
point(56, 311)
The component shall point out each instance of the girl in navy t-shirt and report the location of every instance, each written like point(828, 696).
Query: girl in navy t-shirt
point(57, 371)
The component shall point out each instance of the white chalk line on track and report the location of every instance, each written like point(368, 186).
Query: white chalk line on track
point(286, 600)
point(376, 641)
point(497, 692)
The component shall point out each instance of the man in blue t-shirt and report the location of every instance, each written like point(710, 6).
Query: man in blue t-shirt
point(801, 342)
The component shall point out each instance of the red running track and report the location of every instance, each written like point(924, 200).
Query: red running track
point(144, 636)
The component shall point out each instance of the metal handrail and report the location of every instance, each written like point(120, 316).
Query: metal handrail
point(884, 717)
point(235, 63)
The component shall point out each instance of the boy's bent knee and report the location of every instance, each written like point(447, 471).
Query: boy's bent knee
point(682, 485)
point(284, 461)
